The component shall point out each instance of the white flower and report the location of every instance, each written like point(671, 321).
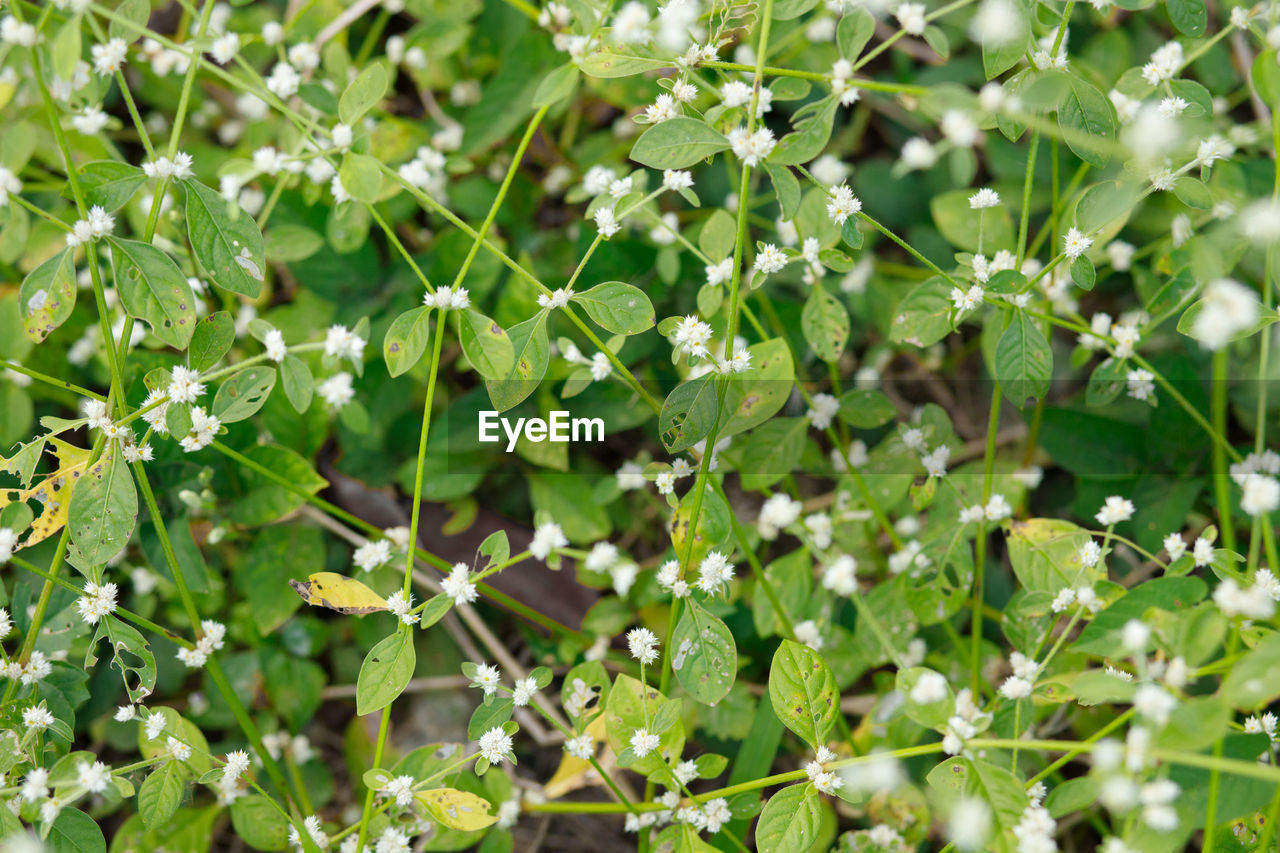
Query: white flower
point(777, 513)
point(1075, 243)
point(935, 461)
point(523, 692)
point(487, 678)
point(970, 824)
point(1015, 687)
point(770, 259)
point(458, 586)
point(1115, 510)
point(1126, 339)
point(714, 572)
point(98, 601)
point(673, 179)
point(643, 743)
point(912, 18)
point(224, 48)
point(998, 508)
point(1202, 552)
point(664, 107)
point(1155, 703)
point(283, 81)
point(37, 718)
point(557, 299)
point(177, 749)
point(751, 148)
point(918, 153)
point(842, 203)
point(546, 538)
point(1259, 494)
point(606, 224)
point(1164, 64)
point(967, 300)
point(402, 606)
point(109, 58)
point(90, 120)
point(1227, 309)
point(643, 644)
point(94, 778)
point(930, 687)
point(178, 168)
point(1141, 384)
point(341, 342)
point(959, 128)
point(582, 747)
point(822, 410)
point(275, 346)
point(807, 632)
point(372, 554)
point(495, 745)
point(840, 576)
point(983, 199)
point(1134, 636)
point(337, 390)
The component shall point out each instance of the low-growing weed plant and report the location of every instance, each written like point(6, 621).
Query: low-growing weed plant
point(781, 425)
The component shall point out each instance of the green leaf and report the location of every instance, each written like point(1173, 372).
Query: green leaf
point(486, 345)
point(108, 183)
point(1024, 360)
point(1106, 382)
point(931, 715)
point(718, 235)
point(677, 143)
point(688, 414)
point(854, 31)
point(786, 10)
point(606, 63)
point(531, 354)
point(791, 821)
point(959, 223)
point(65, 51)
point(1189, 16)
point(983, 780)
point(298, 383)
point(617, 307)
point(135, 12)
point(225, 240)
point(1193, 193)
point(48, 295)
point(923, 317)
point(937, 39)
point(243, 394)
point(998, 56)
point(1085, 111)
point(361, 177)
point(1265, 76)
point(153, 289)
point(825, 323)
point(803, 691)
point(210, 341)
point(713, 530)
point(363, 93)
point(490, 715)
point(1103, 204)
point(385, 672)
point(630, 706)
point(1102, 635)
point(703, 653)
point(263, 501)
point(75, 832)
point(1083, 273)
point(774, 449)
point(1254, 680)
point(104, 509)
point(812, 124)
point(786, 187)
point(138, 668)
point(161, 793)
point(407, 339)
point(559, 84)
point(259, 823)
point(866, 408)
point(757, 395)
point(292, 243)
point(1045, 554)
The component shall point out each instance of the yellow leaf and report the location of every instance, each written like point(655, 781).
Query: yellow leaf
point(54, 492)
point(340, 593)
point(457, 809)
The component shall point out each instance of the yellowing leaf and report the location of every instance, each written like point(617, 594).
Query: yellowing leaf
point(340, 593)
point(457, 809)
point(54, 492)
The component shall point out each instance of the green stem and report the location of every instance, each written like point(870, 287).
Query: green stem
point(1221, 482)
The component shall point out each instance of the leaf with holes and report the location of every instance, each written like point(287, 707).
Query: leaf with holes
point(153, 289)
point(803, 691)
point(48, 295)
point(243, 394)
point(703, 654)
point(225, 240)
point(140, 661)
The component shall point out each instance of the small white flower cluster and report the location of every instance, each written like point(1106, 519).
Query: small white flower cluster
point(714, 572)
point(426, 171)
point(372, 554)
point(934, 461)
point(1083, 596)
point(556, 299)
point(204, 427)
point(841, 575)
point(340, 342)
point(1120, 793)
point(1257, 601)
point(1075, 243)
point(447, 298)
point(402, 606)
point(692, 335)
point(1165, 63)
point(668, 577)
point(1115, 510)
point(826, 781)
point(965, 723)
point(604, 557)
point(643, 645)
point(842, 203)
point(95, 226)
point(754, 147)
point(313, 826)
point(843, 87)
point(211, 639)
point(458, 584)
point(997, 508)
point(36, 668)
point(1020, 684)
point(547, 537)
point(495, 745)
point(599, 363)
point(179, 168)
point(777, 513)
point(98, 601)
